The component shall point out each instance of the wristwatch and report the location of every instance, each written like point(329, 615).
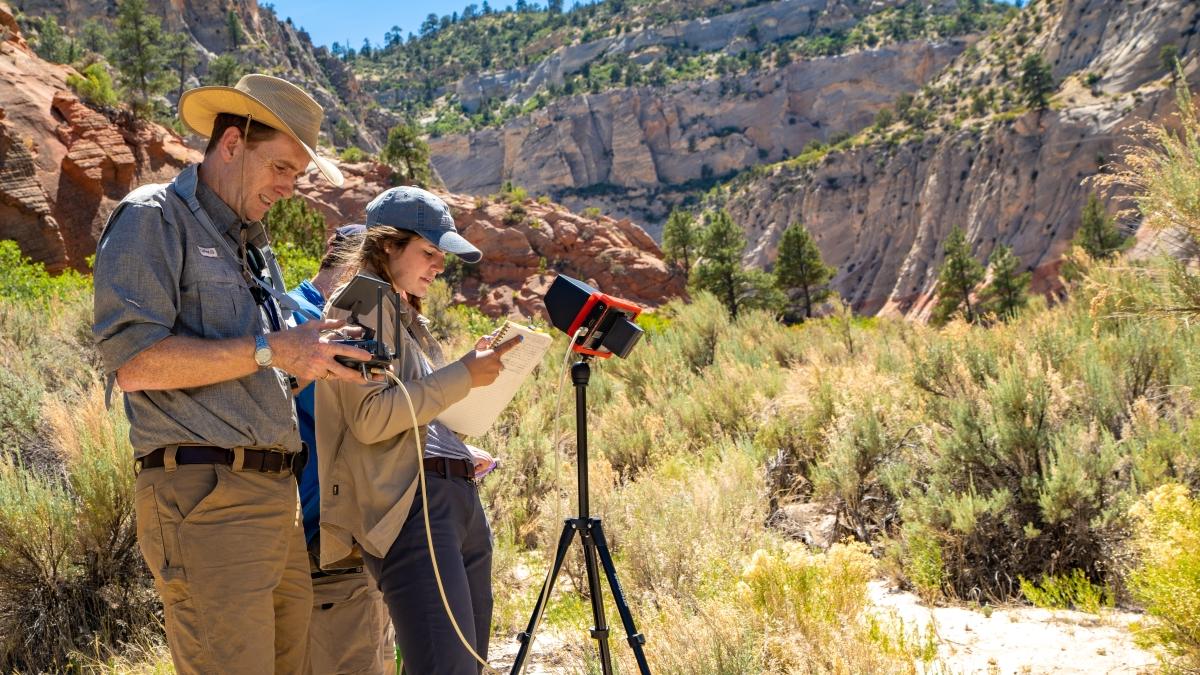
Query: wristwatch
point(262, 351)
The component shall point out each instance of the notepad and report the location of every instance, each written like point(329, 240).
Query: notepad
point(476, 413)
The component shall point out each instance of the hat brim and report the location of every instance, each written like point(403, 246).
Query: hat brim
point(453, 242)
point(198, 110)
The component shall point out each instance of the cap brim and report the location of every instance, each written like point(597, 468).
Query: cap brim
point(199, 107)
point(453, 242)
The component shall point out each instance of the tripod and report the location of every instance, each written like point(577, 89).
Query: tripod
point(591, 536)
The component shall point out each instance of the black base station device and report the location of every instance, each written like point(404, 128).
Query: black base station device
point(365, 294)
point(602, 326)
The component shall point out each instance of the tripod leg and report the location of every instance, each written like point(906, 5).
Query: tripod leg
point(632, 636)
point(526, 638)
point(600, 631)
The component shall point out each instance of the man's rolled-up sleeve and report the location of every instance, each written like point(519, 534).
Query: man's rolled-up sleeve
point(138, 264)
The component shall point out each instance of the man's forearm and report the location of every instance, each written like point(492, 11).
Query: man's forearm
point(184, 362)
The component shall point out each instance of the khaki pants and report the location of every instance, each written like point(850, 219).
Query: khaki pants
point(227, 553)
point(350, 632)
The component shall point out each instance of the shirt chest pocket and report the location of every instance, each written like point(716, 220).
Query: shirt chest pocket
point(216, 300)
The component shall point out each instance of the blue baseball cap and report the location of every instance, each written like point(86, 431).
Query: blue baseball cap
point(350, 230)
point(411, 208)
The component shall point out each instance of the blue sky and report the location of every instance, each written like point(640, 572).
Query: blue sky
point(352, 20)
point(349, 21)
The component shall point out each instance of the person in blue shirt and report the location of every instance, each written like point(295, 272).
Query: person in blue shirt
point(350, 631)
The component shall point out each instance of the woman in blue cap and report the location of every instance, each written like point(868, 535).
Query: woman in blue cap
point(370, 504)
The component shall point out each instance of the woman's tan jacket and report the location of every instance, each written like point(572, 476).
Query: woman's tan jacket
point(366, 458)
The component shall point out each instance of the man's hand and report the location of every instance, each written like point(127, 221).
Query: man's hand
point(302, 352)
point(484, 364)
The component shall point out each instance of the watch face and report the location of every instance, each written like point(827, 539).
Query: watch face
point(262, 351)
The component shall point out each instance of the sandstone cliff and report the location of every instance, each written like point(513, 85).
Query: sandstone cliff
point(638, 152)
point(879, 215)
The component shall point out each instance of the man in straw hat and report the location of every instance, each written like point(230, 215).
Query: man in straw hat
point(191, 321)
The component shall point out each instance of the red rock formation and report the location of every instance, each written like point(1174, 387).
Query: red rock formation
point(63, 165)
point(521, 251)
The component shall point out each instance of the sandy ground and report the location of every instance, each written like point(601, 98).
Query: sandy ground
point(1019, 640)
point(545, 658)
point(1015, 640)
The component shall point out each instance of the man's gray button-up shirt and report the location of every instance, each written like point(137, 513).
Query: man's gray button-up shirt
point(158, 273)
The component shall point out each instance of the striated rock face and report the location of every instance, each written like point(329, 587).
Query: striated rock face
point(880, 216)
point(521, 251)
point(25, 211)
point(64, 166)
point(640, 151)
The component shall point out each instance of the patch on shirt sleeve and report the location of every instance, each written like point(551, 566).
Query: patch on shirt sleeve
point(208, 252)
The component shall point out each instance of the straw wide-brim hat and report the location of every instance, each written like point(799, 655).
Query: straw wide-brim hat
point(276, 103)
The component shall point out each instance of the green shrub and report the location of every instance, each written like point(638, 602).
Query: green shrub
point(921, 560)
point(353, 155)
point(95, 86)
point(1067, 591)
point(1167, 577)
point(295, 222)
point(26, 281)
point(297, 264)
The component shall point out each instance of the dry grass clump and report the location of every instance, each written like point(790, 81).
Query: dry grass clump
point(71, 577)
point(681, 436)
point(1167, 577)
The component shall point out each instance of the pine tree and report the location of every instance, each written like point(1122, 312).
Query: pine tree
point(182, 56)
point(800, 268)
point(681, 237)
point(237, 35)
point(719, 269)
point(51, 43)
point(1169, 57)
point(95, 37)
point(957, 279)
point(1098, 234)
point(408, 155)
point(224, 71)
point(1007, 292)
point(1037, 82)
point(139, 54)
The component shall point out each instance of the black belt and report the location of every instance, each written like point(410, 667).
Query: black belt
point(458, 468)
point(321, 574)
point(255, 459)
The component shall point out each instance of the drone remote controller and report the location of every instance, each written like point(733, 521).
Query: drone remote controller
point(380, 357)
